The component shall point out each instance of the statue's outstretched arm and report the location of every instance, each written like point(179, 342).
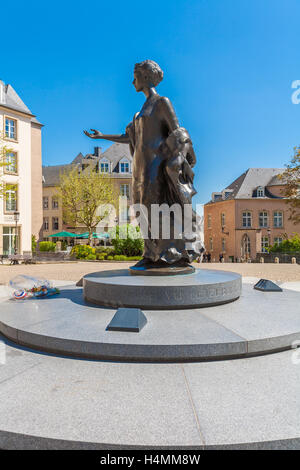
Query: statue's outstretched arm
point(120, 138)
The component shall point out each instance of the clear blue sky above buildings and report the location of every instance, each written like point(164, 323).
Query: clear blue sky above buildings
point(228, 64)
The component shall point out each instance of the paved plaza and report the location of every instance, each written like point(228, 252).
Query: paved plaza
point(73, 271)
point(240, 391)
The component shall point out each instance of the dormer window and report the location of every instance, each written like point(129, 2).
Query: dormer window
point(124, 166)
point(226, 193)
point(260, 191)
point(216, 197)
point(104, 166)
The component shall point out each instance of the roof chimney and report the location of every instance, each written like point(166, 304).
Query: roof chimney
point(97, 151)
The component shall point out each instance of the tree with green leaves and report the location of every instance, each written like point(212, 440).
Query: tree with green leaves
point(288, 245)
point(291, 180)
point(86, 198)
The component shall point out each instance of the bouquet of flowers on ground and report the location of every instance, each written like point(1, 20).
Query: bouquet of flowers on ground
point(27, 287)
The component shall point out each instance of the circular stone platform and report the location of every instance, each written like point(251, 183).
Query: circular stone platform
point(257, 323)
point(202, 288)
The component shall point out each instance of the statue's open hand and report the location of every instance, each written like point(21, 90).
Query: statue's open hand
point(94, 134)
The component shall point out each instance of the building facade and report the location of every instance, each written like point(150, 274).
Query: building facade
point(116, 162)
point(21, 212)
point(248, 216)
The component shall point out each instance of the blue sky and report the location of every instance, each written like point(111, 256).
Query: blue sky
point(229, 66)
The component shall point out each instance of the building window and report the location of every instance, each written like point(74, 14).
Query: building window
point(54, 223)
point(264, 244)
point(10, 198)
point(208, 221)
point(223, 244)
point(263, 219)
point(211, 245)
point(247, 219)
point(124, 190)
point(10, 162)
point(278, 219)
point(277, 241)
point(104, 166)
point(10, 128)
point(45, 202)
point(46, 223)
point(222, 219)
point(124, 167)
point(54, 203)
point(124, 214)
point(260, 191)
point(11, 240)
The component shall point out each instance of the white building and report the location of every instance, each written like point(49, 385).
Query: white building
point(20, 133)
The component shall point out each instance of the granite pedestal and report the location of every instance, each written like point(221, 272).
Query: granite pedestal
point(257, 323)
point(202, 288)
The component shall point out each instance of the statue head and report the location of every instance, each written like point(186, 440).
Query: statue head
point(147, 74)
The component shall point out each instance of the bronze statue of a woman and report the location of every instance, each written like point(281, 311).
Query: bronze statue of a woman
point(163, 158)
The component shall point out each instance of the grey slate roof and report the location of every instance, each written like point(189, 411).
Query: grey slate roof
point(256, 177)
point(236, 185)
point(52, 173)
point(78, 159)
point(11, 100)
point(114, 154)
point(245, 185)
point(275, 181)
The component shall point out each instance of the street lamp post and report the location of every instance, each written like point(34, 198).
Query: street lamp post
point(16, 217)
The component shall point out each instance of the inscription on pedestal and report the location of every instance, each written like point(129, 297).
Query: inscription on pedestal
point(162, 292)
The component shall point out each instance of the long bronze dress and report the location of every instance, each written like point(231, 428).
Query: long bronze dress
point(163, 157)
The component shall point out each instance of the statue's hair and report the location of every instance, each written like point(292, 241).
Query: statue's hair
point(151, 69)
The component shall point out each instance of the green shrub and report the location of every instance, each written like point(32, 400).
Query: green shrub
point(120, 258)
point(83, 251)
point(289, 245)
point(110, 258)
point(103, 250)
point(91, 256)
point(100, 256)
point(127, 240)
point(47, 246)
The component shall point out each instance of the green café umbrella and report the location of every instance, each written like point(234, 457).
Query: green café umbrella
point(95, 235)
point(101, 235)
point(63, 235)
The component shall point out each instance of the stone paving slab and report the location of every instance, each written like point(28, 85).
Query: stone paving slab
point(248, 400)
point(99, 402)
point(67, 403)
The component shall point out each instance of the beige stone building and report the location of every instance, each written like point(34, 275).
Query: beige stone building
point(21, 175)
point(116, 161)
point(248, 216)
